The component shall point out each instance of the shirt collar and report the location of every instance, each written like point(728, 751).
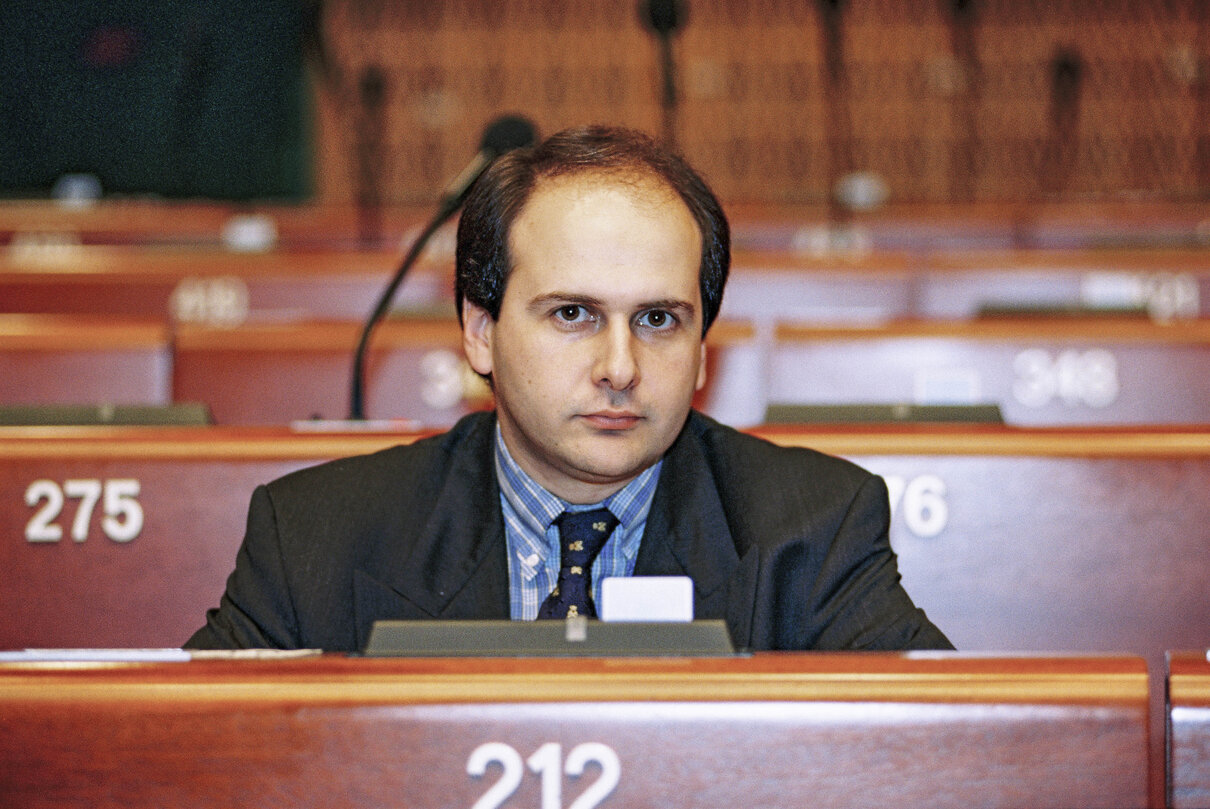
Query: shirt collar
point(538, 508)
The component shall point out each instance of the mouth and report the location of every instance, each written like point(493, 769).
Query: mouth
point(612, 420)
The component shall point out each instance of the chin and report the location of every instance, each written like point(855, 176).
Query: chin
point(613, 466)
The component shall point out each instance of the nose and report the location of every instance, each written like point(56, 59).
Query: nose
point(616, 364)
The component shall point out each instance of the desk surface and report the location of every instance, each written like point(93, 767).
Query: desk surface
point(1006, 537)
point(1040, 371)
point(1189, 730)
point(848, 730)
point(83, 359)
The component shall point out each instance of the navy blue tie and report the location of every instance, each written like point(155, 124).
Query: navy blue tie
point(582, 534)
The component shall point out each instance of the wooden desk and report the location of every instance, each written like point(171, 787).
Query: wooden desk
point(1084, 540)
point(277, 373)
point(1188, 709)
point(929, 228)
point(765, 731)
point(916, 227)
point(195, 223)
point(1042, 372)
point(215, 286)
point(49, 359)
point(1168, 283)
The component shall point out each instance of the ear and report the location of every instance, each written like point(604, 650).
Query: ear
point(478, 329)
point(701, 368)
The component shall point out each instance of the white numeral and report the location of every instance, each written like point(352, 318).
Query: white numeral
point(41, 527)
point(88, 492)
point(545, 762)
point(1073, 377)
point(123, 514)
point(611, 772)
point(513, 771)
point(921, 501)
point(1173, 295)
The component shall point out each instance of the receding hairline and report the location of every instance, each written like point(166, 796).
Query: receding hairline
point(649, 187)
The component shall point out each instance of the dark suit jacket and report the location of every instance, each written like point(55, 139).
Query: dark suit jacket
point(789, 546)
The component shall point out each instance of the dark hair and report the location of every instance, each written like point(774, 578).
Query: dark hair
point(482, 261)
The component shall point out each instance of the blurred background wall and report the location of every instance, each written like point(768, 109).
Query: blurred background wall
point(776, 100)
point(945, 100)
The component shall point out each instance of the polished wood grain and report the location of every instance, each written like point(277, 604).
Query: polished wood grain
point(848, 730)
point(55, 359)
point(277, 373)
point(788, 263)
point(1188, 707)
point(210, 284)
point(1006, 537)
point(1040, 371)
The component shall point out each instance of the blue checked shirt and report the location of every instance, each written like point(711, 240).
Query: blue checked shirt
point(533, 539)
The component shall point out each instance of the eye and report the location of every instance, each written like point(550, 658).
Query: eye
point(573, 314)
point(570, 312)
point(657, 320)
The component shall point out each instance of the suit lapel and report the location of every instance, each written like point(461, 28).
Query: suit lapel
point(688, 535)
point(453, 565)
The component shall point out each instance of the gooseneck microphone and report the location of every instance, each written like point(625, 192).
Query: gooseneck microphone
point(664, 18)
point(502, 135)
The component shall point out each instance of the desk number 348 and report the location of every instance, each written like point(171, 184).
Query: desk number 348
point(123, 514)
point(547, 762)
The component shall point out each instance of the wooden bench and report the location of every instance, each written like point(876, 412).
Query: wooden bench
point(1040, 540)
point(53, 359)
point(212, 286)
point(762, 731)
point(415, 371)
point(275, 374)
point(1188, 713)
point(1040, 371)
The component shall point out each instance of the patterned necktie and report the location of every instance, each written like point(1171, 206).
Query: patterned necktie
point(582, 534)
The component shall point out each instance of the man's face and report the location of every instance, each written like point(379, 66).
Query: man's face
point(598, 348)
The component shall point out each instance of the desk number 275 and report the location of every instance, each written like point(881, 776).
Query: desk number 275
point(122, 518)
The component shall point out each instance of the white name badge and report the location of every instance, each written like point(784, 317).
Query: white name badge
point(647, 598)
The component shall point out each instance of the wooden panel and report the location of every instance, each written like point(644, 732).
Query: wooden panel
point(274, 374)
point(42, 227)
point(789, 263)
point(213, 285)
point(1189, 730)
point(848, 730)
point(33, 227)
point(83, 360)
point(1041, 372)
point(1011, 540)
point(776, 98)
point(1165, 283)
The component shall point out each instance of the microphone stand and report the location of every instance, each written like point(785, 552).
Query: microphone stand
point(507, 132)
point(357, 392)
point(664, 18)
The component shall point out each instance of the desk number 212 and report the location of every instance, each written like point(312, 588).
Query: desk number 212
point(547, 762)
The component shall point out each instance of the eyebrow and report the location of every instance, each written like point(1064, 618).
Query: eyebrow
point(540, 303)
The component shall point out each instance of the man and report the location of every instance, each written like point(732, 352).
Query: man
point(589, 269)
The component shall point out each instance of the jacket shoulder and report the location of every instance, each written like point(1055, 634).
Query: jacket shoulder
point(412, 471)
point(749, 464)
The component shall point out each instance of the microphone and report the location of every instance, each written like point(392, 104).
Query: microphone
point(1066, 73)
point(502, 135)
point(371, 91)
point(664, 18)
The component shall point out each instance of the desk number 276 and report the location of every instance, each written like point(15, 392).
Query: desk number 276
point(122, 518)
